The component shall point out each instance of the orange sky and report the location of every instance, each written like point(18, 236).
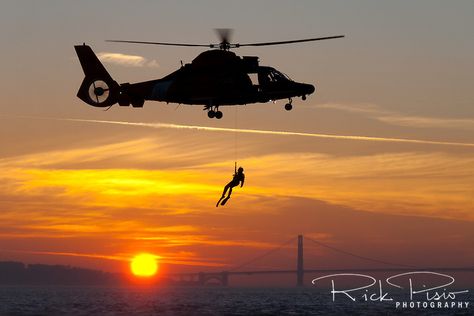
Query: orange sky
point(99, 202)
point(77, 191)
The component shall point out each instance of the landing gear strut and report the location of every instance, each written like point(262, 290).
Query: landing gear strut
point(213, 112)
point(288, 106)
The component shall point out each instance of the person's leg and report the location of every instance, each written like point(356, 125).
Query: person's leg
point(223, 194)
point(224, 201)
point(226, 188)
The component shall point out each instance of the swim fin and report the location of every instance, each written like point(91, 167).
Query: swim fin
point(224, 201)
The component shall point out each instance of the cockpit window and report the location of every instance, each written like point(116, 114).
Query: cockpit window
point(279, 76)
point(272, 75)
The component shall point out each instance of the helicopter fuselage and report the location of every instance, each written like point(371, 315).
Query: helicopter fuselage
point(214, 78)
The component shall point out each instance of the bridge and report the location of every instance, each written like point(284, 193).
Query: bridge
point(222, 277)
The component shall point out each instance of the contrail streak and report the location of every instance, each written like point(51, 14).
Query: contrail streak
point(268, 132)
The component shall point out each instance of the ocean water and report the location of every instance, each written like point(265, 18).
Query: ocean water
point(193, 301)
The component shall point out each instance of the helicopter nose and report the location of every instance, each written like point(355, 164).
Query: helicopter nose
point(309, 88)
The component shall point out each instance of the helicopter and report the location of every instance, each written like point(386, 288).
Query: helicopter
point(216, 77)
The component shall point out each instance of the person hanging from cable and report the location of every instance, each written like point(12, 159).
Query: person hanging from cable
point(238, 178)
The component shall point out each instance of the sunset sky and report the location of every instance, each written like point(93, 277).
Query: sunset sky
point(80, 191)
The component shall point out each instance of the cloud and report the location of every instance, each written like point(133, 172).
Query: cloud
point(424, 184)
point(278, 133)
point(182, 259)
point(393, 118)
point(428, 122)
point(93, 202)
point(69, 254)
point(429, 184)
point(85, 203)
point(127, 60)
point(356, 108)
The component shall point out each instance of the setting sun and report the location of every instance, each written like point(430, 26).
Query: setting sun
point(144, 265)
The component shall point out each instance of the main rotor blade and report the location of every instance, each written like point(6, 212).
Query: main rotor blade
point(291, 42)
point(225, 33)
point(165, 44)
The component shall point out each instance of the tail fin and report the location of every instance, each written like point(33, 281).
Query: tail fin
point(98, 88)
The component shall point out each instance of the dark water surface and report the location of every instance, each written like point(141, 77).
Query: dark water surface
point(194, 301)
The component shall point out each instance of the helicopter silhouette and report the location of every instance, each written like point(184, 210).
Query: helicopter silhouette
point(215, 78)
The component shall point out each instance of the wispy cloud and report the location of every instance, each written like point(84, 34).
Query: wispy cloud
point(190, 240)
point(127, 60)
point(418, 183)
point(422, 184)
point(393, 118)
point(183, 259)
point(280, 133)
point(431, 122)
point(356, 108)
point(98, 211)
point(69, 254)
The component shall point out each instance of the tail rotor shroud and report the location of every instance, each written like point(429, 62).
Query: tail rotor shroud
point(99, 92)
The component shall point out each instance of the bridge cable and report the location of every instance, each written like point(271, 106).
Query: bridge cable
point(263, 255)
point(360, 257)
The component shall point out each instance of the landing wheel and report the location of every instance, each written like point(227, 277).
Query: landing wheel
point(288, 106)
point(303, 97)
point(219, 115)
point(212, 114)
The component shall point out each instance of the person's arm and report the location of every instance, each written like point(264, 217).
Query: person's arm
point(242, 181)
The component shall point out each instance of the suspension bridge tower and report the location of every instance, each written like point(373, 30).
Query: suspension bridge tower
point(299, 263)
